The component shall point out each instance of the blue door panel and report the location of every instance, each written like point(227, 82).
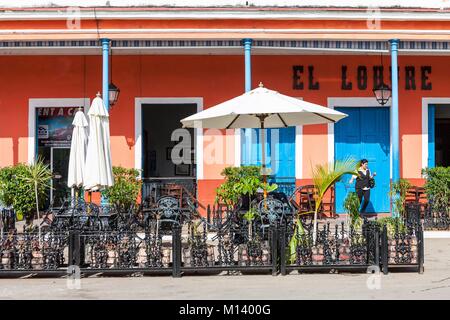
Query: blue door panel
point(280, 154)
point(431, 136)
point(365, 134)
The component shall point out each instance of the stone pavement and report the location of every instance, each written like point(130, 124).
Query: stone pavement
point(433, 284)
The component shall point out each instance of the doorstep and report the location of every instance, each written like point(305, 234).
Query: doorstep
point(436, 234)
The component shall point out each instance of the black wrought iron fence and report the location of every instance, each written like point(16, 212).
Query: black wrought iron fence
point(341, 247)
point(436, 217)
point(225, 241)
point(228, 248)
point(402, 247)
point(34, 252)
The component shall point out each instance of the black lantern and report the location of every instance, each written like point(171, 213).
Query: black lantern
point(113, 90)
point(382, 93)
point(113, 93)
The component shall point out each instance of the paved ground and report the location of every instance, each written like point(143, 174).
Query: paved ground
point(433, 284)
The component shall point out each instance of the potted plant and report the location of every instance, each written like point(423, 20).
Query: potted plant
point(37, 176)
point(351, 206)
point(25, 189)
point(398, 194)
point(437, 187)
point(324, 177)
point(124, 193)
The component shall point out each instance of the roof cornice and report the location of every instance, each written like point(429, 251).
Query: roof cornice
point(260, 13)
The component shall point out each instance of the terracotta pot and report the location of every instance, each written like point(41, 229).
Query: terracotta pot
point(317, 257)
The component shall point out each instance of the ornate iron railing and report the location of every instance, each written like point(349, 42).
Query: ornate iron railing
point(163, 242)
point(436, 217)
point(229, 247)
point(402, 247)
point(341, 247)
point(34, 251)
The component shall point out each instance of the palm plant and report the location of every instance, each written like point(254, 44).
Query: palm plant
point(39, 176)
point(351, 205)
point(325, 176)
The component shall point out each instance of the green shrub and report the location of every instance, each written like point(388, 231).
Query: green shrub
point(351, 206)
point(125, 191)
point(240, 181)
point(398, 193)
point(17, 187)
point(437, 187)
point(392, 224)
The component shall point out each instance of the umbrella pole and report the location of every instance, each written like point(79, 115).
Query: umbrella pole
point(263, 155)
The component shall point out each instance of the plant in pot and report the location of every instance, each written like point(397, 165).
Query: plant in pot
point(351, 206)
point(398, 194)
point(25, 188)
point(124, 193)
point(324, 177)
point(38, 176)
point(437, 188)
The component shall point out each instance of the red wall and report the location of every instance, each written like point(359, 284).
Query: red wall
point(215, 78)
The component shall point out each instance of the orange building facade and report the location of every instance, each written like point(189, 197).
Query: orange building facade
point(162, 63)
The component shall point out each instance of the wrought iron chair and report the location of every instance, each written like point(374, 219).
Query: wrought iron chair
point(271, 212)
point(168, 212)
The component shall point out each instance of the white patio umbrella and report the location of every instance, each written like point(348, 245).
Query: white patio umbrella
point(262, 108)
point(77, 157)
point(98, 168)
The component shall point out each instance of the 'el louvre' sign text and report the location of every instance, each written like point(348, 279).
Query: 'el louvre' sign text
point(357, 79)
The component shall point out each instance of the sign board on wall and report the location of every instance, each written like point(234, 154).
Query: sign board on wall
point(363, 77)
point(54, 126)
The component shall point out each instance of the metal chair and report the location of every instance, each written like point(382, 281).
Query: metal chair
point(271, 212)
point(168, 213)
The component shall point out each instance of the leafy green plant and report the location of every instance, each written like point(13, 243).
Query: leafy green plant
point(437, 187)
point(250, 216)
point(25, 188)
point(125, 191)
point(392, 224)
point(38, 175)
point(398, 194)
point(351, 206)
point(7, 186)
point(325, 176)
point(299, 238)
point(241, 181)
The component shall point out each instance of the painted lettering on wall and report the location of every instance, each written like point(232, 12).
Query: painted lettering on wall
point(363, 77)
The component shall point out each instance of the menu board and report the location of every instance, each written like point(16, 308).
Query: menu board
point(54, 126)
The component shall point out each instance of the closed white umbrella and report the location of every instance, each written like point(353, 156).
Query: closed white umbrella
point(78, 146)
point(98, 168)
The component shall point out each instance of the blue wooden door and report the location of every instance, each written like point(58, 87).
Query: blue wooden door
point(280, 154)
point(365, 134)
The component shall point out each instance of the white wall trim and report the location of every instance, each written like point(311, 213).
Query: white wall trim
point(353, 102)
point(407, 13)
point(298, 152)
point(198, 139)
point(237, 147)
point(425, 103)
point(34, 103)
point(349, 32)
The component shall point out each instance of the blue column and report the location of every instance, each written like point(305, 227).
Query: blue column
point(105, 72)
point(394, 119)
point(394, 112)
point(248, 64)
point(246, 147)
point(105, 85)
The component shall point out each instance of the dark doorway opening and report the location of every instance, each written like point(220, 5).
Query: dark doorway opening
point(162, 133)
point(442, 139)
